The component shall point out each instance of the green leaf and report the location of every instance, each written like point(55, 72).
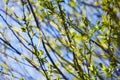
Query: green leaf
point(22, 79)
point(118, 78)
point(91, 68)
point(41, 53)
point(0, 25)
point(5, 1)
point(23, 28)
point(73, 4)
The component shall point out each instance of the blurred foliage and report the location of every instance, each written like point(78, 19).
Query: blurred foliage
point(60, 39)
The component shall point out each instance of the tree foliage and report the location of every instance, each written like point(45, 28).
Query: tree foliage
point(60, 39)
